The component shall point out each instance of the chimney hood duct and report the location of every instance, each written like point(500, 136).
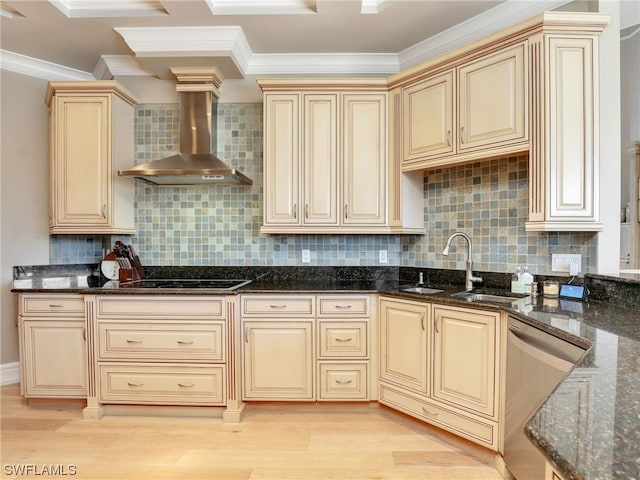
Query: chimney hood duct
point(195, 164)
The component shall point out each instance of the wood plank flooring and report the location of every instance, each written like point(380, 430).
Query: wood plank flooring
point(273, 442)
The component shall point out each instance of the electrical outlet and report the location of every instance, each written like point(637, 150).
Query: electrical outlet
point(569, 263)
point(306, 256)
point(382, 256)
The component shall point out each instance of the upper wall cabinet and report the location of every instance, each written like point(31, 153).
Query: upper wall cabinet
point(91, 136)
point(475, 110)
point(530, 88)
point(564, 159)
point(327, 167)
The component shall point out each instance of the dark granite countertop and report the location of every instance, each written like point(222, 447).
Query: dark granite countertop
point(589, 427)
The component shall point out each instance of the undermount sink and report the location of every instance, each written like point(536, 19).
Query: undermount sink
point(422, 290)
point(487, 297)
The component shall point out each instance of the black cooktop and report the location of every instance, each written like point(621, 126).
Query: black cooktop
point(184, 283)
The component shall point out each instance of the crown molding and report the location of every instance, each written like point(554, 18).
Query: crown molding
point(261, 7)
point(323, 64)
point(502, 16)
point(110, 66)
point(34, 67)
point(107, 8)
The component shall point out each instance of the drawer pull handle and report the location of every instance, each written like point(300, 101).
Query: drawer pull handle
point(422, 321)
point(449, 138)
point(278, 306)
point(129, 340)
point(432, 414)
point(344, 339)
point(56, 305)
point(135, 384)
point(186, 385)
point(185, 342)
point(344, 382)
point(344, 307)
point(461, 134)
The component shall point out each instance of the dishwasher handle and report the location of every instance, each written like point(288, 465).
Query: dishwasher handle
point(547, 343)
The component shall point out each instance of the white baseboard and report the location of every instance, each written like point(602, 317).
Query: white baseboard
point(9, 373)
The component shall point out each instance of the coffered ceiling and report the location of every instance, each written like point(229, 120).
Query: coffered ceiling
point(244, 38)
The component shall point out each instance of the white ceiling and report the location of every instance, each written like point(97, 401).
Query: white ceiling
point(245, 38)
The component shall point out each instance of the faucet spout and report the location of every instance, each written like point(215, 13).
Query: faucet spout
point(469, 277)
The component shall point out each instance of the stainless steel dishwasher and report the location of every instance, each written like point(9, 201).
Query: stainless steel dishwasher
point(536, 363)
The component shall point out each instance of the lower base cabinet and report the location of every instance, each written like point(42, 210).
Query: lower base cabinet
point(440, 364)
point(162, 384)
point(278, 360)
point(343, 381)
point(52, 339)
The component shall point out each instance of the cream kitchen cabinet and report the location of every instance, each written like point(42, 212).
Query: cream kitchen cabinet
point(277, 348)
point(466, 359)
point(52, 339)
point(326, 161)
point(404, 340)
point(343, 347)
point(564, 158)
point(306, 347)
point(430, 356)
point(476, 109)
point(158, 350)
point(91, 137)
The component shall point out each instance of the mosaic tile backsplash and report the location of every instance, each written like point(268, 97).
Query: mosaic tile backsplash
point(220, 225)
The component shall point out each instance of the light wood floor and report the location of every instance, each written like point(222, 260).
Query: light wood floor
point(277, 442)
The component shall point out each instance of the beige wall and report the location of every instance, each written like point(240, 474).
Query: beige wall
point(23, 192)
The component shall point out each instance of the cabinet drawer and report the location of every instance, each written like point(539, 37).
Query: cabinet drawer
point(342, 339)
point(47, 305)
point(483, 433)
point(277, 306)
point(161, 307)
point(343, 381)
point(162, 384)
point(343, 306)
point(157, 341)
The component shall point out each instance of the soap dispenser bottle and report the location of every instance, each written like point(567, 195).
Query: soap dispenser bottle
point(516, 284)
point(527, 280)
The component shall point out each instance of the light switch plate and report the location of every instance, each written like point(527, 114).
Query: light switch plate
point(306, 256)
point(382, 256)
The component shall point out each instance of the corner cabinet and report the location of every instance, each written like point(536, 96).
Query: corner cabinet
point(477, 109)
point(327, 166)
point(441, 365)
point(91, 137)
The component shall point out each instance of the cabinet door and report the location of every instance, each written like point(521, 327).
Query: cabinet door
point(281, 159)
point(492, 100)
point(428, 118)
point(364, 157)
point(403, 343)
point(54, 356)
point(320, 170)
point(465, 358)
point(278, 360)
point(82, 161)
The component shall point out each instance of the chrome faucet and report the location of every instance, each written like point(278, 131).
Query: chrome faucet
point(469, 278)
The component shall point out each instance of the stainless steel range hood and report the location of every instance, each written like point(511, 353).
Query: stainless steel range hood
point(196, 163)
